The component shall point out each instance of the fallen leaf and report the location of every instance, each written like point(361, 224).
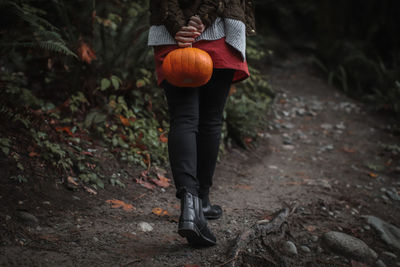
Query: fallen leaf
point(33, 154)
point(124, 120)
point(116, 204)
point(161, 181)
point(163, 139)
point(72, 181)
point(145, 184)
point(87, 153)
point(310, 228)
point(65, 129)
point(349, 150)
point(90, 190)
point(51, 238)
point(232, 90)
point(373, 175)
point(248, 140)
point(86, 53)
point(160, 212)
point(243, 186)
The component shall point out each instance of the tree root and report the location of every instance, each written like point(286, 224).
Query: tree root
point(260, 230)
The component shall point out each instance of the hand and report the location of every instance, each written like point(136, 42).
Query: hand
point(186, 36)
point(196, 22)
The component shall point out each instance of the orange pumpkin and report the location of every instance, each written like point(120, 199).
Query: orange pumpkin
point(188, 67)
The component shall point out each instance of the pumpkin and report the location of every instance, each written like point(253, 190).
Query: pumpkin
point(187, 67)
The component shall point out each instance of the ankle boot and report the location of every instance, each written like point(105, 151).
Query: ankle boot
point(211, 211)
point(192, 223)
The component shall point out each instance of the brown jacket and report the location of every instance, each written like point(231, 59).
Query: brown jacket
point(175, 14)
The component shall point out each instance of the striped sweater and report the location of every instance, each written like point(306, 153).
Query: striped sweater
point(233, 30)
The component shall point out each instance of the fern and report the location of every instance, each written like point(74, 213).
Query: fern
point(42, 33)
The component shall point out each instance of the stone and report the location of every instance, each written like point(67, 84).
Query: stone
point(390, 234)
point(389, 254)
point(326, 126)
point(314, 238)
point(289, 247)
point(305, 249)
point(145, 227)
point(393, 195)
point(380, 263)
point(348, 246)
point(27, 217)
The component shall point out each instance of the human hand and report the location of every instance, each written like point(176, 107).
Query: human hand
point(196, 22)
point(186, 36)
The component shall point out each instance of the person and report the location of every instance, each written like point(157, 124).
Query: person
point(219, 27)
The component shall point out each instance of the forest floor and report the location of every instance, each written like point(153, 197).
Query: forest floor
point(324, 156)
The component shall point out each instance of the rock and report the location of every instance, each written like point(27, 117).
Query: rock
point(390, 234)
point(289, 247)
point(305, 249)
point(27, 217)
point(288, 125)
point(380, 263)
point(326, 126)
point(145, 227)
point(367, 227)
point(288, 147)
point(314, 238)
point(393, 195)
point(340, 126)
point(95, 239)
point(389, 254)
point(348, 246)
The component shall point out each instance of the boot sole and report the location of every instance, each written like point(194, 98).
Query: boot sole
point(193, 235)
point(212, 217)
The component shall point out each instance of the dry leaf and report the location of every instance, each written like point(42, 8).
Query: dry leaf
point(124, 120)
point(86, 53)
point(161, 181)
point(72, 181)
point(116, 204)
point(349, 150)
point(145, 184)
point(90, 190)
point(373, 175)
point(50, 238)
point(232, 90)
point(310, 228)
point(243, 186)
point(163, 139)
point(160, 212)
point(65, 129)
point(33, 154)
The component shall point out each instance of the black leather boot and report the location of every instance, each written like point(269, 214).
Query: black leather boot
point(211, 211)
point(192, 223)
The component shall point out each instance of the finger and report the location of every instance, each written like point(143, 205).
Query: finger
point(184, 39)
point(196, 19)
point(186, 34)
point(188, 28)
point(194, 24)
point(183, 45)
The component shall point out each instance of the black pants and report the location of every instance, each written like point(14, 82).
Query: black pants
point(195, 130)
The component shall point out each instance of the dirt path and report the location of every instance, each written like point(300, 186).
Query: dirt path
point(323, 153)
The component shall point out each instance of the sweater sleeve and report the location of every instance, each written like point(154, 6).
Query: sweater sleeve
point(174, 18)
point(208, 11)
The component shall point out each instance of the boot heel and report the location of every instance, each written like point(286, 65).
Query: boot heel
point(188, 229)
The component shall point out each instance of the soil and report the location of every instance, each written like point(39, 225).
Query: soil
point(323, 154)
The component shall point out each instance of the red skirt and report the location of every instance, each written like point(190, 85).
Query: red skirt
point(223, 55)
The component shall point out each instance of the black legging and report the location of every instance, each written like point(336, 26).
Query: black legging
point(195, 130)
